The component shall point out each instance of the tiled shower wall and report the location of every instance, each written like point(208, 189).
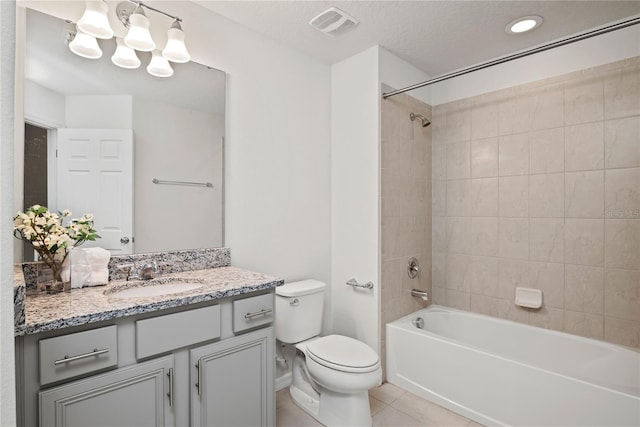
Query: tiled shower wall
point(405, 206)
point(539, 186)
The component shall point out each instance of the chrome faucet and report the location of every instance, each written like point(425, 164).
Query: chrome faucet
point(148, 270)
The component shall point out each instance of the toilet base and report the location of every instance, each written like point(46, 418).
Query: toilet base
point(335, 409)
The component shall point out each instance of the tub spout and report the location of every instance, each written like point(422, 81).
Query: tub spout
point(423, 295)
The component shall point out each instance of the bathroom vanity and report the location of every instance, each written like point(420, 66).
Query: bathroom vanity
point(103, 356)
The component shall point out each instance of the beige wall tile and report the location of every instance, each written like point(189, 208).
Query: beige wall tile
point(484, 236)
point(510, 311)
point(459, 235)
point(584, 241)
point(584, 100)
point(584, 147)
point(548, 107)
point(513, 155)
point(622, 142)
point(484, 276)
point(485, 305)
point(548, 318)
point(584, 194)
point(549, 278)
point(584, 288)
point(513, 238)
point(458, 299)
point(459, 160)
point(439, 161)
point(484, 197)
point(546, 196)
point(546, 151)
point(439, 195)
point(546, 239)
point(515, 115)
point(484, 120)
point(584, 324)
point(484, 158)
point(514, 196)
point(622, 93)
point(622, 294)
point(458, 125)
point(439, 234)
point(622, 331)
point(511, 275)
point(622, 193)
point(439, 269)
point(622, 243)
point(459, 197)
point(459, 272)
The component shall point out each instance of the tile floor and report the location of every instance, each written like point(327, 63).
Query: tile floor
point(391, 406)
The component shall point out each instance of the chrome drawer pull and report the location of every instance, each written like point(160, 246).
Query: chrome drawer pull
point(258, 313)
point(68, 359)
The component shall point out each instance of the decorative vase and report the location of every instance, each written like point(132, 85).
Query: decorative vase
point(53, 279)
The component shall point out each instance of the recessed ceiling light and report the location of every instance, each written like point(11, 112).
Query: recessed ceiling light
point(524, 24)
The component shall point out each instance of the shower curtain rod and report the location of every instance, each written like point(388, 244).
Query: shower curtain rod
point(502, 60)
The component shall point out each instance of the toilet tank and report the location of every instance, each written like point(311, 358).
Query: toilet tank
point(299, 310)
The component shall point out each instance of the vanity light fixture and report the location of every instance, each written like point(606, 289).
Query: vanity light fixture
point(94, 21)
point(159, 66)
point(523, 24)
point(84, 45)
point(124, 56)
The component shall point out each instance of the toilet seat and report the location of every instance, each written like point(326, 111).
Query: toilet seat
point(343, 354)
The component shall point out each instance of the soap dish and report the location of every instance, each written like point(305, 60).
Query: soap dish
point(528, 297)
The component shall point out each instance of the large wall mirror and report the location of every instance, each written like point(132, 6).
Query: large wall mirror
point(143, 154)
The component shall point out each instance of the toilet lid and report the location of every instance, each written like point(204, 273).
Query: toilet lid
point(343, 354)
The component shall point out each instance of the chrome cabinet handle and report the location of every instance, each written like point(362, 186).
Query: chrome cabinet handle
point(68, 359)
point(258, 313)
point(170, 394)
point(124, 240)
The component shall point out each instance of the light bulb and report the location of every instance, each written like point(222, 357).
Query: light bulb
point(139, 37)
point(85, 45)
point(159, 66)
point(175, 50)
point(124, 56)
point(94, 21)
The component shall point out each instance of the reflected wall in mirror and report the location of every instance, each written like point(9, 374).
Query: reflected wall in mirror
point(97, 135)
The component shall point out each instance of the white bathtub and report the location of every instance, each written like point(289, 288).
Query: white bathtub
point(499, 372)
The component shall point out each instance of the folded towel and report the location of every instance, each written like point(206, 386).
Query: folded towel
point(89, 267)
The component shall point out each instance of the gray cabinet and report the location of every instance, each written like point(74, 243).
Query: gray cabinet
point(233, 381)
point(140, 395)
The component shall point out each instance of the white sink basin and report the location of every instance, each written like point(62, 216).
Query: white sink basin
point(160, 287)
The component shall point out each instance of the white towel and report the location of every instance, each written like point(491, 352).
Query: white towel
point(89, 267)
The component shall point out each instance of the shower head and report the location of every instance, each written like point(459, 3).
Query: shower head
point(425, 122)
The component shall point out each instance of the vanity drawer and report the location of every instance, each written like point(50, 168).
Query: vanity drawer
point(165, 333)
point(251, 312)
point(68, 356)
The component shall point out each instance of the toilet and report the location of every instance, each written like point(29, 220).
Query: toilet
point(331, 374)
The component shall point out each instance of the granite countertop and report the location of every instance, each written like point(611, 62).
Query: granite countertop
point(43, 312)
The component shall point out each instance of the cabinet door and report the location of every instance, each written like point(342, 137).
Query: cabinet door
point(232, 381)
point(140, 395)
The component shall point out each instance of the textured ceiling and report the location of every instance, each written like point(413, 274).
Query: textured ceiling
point(435, 36)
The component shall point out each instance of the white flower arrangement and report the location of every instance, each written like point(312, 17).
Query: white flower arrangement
point(49, 236)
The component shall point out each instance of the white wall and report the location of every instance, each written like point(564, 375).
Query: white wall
point(588, 53)
point(354, 194)
point(99, 112)
point(398, 73)
point(7, 50)
point(42, 105)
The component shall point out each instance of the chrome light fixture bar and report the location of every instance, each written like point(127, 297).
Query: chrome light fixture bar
point(94, 23)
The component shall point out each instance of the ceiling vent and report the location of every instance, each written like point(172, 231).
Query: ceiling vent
point(334, 22)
